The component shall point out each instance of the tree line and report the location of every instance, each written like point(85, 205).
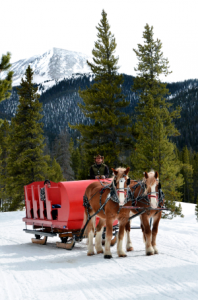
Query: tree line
point(144, 141)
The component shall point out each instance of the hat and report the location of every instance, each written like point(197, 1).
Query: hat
point(98, 156)
point(47, 181)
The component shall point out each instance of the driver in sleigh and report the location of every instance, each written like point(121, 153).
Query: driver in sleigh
point(99, 170)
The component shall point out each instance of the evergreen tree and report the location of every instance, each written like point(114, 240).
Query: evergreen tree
point(5, 200)
point(62, 154)
point(78, 161)
point(26, 162)
point(104, 101)
point(75, 160)
point(154, 121)
point(5, 84)
point(187, 172)
point(54, 171)
point(195, 175)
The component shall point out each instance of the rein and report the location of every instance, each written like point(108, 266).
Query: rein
point(112, 195)
point(130, 197)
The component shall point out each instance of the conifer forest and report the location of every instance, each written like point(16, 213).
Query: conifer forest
point(140, 122)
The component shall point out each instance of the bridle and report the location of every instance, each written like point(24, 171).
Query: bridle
point(118, 191)
point(159, 195)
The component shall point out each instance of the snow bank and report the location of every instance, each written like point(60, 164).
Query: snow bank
point(30, 271)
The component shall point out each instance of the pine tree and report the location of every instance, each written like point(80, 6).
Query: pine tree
point(54, 171)
point(75, 161)
point(26, 162)
point(187, 172)
point(5, 84)
point(154, 121)
point(104, 101)
point(62, 154)
point(195, 175)
point(5, 200)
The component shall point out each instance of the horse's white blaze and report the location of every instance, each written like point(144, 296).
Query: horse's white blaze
point(121, 191)
point(153, 200)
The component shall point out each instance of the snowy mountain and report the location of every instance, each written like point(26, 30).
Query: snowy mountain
point(52, 66)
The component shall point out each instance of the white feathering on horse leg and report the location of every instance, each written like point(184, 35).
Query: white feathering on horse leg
point(98, 241)
point(155, 250)
point(90, 243)
point(149, 251)
point(120, 250)
point(129, 246)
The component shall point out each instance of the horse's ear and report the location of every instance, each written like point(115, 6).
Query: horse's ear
point(126, 171)
point(146, 175)
point(114, 171)
point(156, 175)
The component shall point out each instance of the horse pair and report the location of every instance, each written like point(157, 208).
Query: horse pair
point(109, 202)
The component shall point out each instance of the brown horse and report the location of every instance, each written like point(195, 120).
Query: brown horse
point(113, 197)
point(146, 195)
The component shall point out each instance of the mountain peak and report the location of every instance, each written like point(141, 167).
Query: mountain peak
point(54, 64)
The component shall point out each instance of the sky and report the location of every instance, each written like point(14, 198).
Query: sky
point(32, 27)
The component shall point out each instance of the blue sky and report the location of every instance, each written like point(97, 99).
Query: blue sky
point(31, 27)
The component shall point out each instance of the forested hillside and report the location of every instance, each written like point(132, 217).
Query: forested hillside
point(188, 123)
point(60, 106)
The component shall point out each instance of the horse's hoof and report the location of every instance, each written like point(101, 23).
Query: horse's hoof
point(107, 256)
point(155, 250)
point(150, 253)
point(122, 255)
point(130, 249)
point(90, 253)
point(100, 251)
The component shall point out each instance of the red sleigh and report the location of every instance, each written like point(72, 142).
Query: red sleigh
point(63, 214)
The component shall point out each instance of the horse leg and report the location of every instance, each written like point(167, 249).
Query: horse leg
point(120, 250)
point(144, 237)
point(147, 234)
point(156, 220)
point(108, 237)
point(98, 238)
point(90, 232)
point(129, 246)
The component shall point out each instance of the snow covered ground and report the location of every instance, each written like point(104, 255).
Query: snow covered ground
point(31, 271)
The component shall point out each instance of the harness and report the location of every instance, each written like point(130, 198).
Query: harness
point(113, 195)
point(146, 198)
